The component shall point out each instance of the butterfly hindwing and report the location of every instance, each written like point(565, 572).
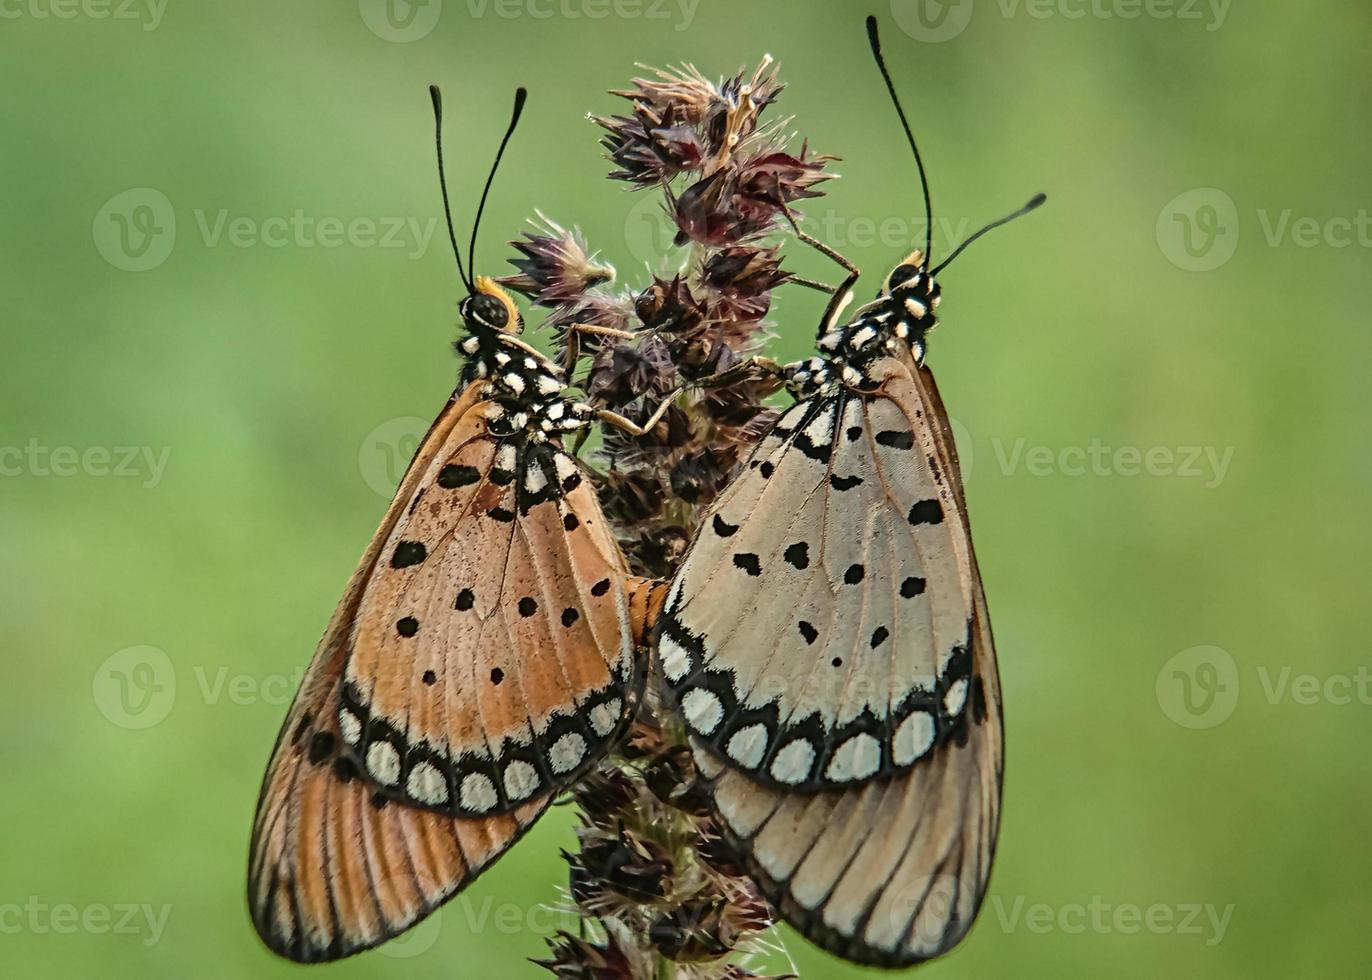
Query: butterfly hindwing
point(890, 871)
point(817, 634)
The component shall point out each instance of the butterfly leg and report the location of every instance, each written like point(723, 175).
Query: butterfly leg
point(633, 428)
point(815, 284)
point(844, 293)
point(757, 366)
point(575, 331)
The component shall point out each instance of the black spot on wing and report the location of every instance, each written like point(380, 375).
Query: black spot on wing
point(798, 554)
point(407, 627)
point(926, 512)
point(854, 433)
point(465, 600)
point(601, 587)
point(911, 587)
point(429, 678)
point(723, 528)
point(879, 636)
point(570, 522)
point(854, 574)
point(896, 439)
point(808, 631)
point(748, 562)
point(844, 483)
point(344, 769)
point(408, 553)
point(453, 476)
point(766, 469)
point(528, 606)
point(500, 514)
point(321, 747)
point(570, 616)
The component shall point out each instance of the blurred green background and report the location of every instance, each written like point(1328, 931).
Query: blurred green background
point(1161, 380)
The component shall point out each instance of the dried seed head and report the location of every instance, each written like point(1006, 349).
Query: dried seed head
point(557, 267)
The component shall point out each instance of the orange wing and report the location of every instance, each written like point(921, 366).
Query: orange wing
point(491, 656)
point(340, 860)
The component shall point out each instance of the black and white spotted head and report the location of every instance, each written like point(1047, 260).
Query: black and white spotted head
point(900, 317)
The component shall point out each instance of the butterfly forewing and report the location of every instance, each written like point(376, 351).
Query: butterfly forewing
point(817, 634)
point(442, 712)
point(335, 867)
point(492, 658)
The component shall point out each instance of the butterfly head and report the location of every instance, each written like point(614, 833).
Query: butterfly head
point(490, 309)
point(893, 323)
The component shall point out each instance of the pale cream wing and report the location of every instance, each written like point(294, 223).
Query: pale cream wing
point(817, 634)
point(891, 872)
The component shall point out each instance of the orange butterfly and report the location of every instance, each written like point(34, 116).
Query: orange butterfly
point(480, 660)
point(827, 644)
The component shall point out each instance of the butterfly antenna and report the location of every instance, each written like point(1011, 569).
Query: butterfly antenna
point(521, 94)
point(875, 40)
point(1034, 202)
point(437, 98)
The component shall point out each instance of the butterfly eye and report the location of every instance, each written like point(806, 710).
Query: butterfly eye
point(486, 310)
point(902, 275)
